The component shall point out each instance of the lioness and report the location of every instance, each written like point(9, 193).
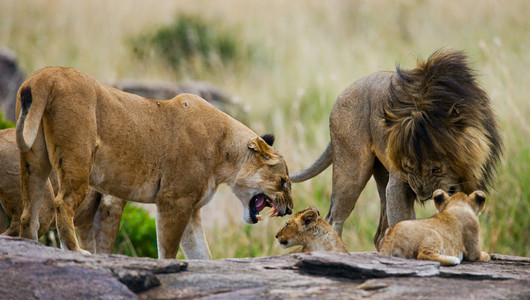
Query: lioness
point(448, 237)
point(313, 233)
point(415, 131)
point(96, 221)
point(173, 153)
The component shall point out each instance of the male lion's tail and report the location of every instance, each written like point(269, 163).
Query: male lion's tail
point(30, 117)
point(316, 168)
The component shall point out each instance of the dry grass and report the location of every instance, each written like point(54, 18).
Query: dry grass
point(312, 51)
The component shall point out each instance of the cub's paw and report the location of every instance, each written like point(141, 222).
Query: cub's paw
point(484, 256)
point(447, 260)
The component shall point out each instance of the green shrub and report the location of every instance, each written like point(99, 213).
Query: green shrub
point(137, 235)
point(191, 43)
point(4, 123)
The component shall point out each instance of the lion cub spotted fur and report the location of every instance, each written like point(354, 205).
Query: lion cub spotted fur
point(448, 237)
point(313, 233)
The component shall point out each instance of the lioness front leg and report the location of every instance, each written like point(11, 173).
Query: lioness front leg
point(399, 200)
point(171, 220)
point(193, 241)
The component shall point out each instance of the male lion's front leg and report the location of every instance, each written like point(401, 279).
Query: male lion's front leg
point(193, 242)
point(399, 200)
point(171, 220)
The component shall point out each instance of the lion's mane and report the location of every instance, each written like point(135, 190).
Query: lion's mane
point(438, 111)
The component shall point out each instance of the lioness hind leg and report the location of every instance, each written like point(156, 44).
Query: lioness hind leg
point(34, 170)
point(107, 223)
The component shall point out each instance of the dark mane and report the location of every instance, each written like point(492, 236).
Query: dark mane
point(438, 111)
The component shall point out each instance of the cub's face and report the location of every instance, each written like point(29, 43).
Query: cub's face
point(295, 230)
point(426, 177)
point(263, 181)
point(476, 200)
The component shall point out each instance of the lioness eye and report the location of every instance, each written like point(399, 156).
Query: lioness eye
point(283, 183)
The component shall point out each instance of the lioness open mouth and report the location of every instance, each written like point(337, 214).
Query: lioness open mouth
point(257, 204)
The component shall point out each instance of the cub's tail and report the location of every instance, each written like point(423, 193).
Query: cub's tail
point(30, 116)
point(316, 168)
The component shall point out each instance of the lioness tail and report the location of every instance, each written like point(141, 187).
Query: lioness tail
point(316, 168)
point(29, 120)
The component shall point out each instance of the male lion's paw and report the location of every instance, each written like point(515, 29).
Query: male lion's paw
point(484, 256)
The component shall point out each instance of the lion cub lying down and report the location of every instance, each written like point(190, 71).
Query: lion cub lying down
point(448, 237)
point(313, 233)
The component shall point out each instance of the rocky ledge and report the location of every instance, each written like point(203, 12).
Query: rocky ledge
point(33, 271)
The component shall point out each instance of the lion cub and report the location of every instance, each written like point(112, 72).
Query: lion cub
point(448, 237)
point(313, 233)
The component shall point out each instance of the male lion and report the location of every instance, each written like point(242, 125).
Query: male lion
point(415, 131)
point(449, 237)
point(313, 233)
point(173, 153)
point(96, 221)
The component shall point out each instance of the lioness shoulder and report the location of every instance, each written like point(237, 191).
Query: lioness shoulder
point(448, 237)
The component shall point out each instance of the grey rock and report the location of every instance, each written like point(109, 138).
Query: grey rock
point(32, 270)
point(11, 77)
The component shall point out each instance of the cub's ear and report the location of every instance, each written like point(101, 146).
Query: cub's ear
point(439, 197)
point(309, 218)
point(480, 201)
point(269, 139)
point(479, 197)
point(313, 209)
point(259, 146)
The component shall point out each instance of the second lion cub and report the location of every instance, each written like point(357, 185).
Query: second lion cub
point(448, 237)
point(307, 229)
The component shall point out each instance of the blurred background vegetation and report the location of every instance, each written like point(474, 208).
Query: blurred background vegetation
point(286, 62)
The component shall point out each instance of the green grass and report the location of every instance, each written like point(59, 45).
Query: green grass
point(303, 55)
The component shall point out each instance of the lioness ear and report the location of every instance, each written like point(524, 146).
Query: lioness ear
point(439, 197)
point(269, 139)
point(309, 218)
point(258, 145)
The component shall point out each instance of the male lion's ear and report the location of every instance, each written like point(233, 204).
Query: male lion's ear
point(269, 139)
point(258, 145)
point(439, 197)
point(309, 217)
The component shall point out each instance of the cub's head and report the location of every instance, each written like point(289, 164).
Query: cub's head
point(476, 200)
point(263, 180)
point(294, 231)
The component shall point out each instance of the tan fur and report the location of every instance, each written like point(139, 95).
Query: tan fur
point(95, 211)
point(173, 153)
point(307, 229)
point(448, 237)
point(414, 131)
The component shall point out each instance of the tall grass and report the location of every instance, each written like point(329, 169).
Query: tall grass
point(310, 51)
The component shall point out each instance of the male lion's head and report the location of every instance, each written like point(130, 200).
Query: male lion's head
point(441, 131)
point(263, 181)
